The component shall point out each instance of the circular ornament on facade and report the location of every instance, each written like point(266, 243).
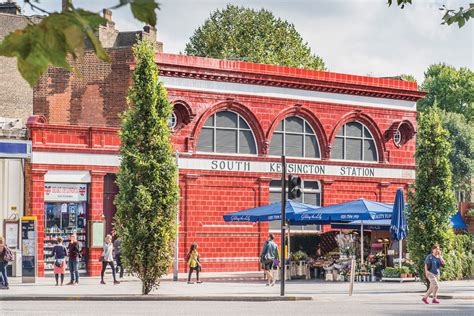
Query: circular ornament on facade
point(397, 138)
point(173, 121)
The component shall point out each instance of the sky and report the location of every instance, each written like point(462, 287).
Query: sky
point(364, 37)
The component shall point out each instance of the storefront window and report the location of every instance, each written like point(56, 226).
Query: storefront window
point(311, 194)
point(354, 142)
point(226, 132)
point(294, 137)
point(65, 214)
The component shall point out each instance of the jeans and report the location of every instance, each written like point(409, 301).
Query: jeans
point(119, 266)
point(191, 273)
point(104, 266)
point(74, 270)
point(3, 273)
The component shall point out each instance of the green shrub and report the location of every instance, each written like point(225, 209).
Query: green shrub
point(299, 256)
point(457, 253)
point(391, 272)
point(404, 270)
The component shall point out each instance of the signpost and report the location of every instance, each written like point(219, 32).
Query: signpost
point(283, 225)
point(29, 243)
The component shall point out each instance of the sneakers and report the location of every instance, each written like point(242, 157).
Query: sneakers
point(189, 282)
point(70, 283)
point(435, 301)
point(116, 282)
point(199, 282)
point(102, 282)
point(425, 300)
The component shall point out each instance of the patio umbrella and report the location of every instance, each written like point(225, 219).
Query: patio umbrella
point(398, 225)
point(360, 209)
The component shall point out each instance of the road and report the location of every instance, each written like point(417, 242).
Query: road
point(390, 305)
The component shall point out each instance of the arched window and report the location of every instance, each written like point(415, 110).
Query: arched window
point(294, 137)
point(226, 132)
point(354, 142)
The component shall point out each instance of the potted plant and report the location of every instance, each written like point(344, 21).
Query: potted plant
point(404, 271)
point(390, 272)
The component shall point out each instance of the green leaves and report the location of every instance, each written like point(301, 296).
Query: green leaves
point(238, 33)
point(61, 35)
point(460, 17)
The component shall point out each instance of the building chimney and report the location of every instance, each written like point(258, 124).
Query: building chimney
point(10, 7)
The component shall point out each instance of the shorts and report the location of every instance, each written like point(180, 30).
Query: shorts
point(268, 265)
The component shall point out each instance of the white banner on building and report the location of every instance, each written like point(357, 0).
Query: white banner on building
point(65, 192)
point(295, 168)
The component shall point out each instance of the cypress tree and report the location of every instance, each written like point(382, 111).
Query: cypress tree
point(148, 192)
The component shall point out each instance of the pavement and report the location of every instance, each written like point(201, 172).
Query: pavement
point(220, 287)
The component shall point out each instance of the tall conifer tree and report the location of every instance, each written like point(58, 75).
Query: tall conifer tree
point(148, 193)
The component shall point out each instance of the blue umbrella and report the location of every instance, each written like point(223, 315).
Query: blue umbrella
point(457, 222)
point(361, 209)
point(270, 212)
point(398, 226)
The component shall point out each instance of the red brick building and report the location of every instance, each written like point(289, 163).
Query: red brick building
point(347, 136)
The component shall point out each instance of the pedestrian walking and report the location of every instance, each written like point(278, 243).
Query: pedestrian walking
point(74, 252)
point(107, 258)
point(268, 257)
point(60, 254)
point(433, 263)
point(6, 255)
point(194, 263)
point(118, 256)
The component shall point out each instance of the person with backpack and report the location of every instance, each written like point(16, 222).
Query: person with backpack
point(194, 263)
point(60, 254)
point(6, 255)
point(74, 252)
point(433, 263)
point(268, 257)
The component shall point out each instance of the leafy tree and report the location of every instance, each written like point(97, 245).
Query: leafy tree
point(60, 35)
point(408, 77)
point(432, 204)
point(450, 16)
point(148, 193)
point(461, 157)
point(239, 33)
point(451, 89)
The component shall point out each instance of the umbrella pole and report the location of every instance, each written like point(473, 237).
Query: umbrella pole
point(400, 251)
point(362, 243)
point(289, 238)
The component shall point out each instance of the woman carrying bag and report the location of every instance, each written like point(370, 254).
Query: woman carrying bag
point(194, 263)
point(107, 258)
point(60, 254)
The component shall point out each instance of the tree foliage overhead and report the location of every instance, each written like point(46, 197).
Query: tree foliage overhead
point(461, 137)
point(451, 89)
point(60, 35)
point(238, 33)
point(432, 203)
point(148, 193)
point(461, 16)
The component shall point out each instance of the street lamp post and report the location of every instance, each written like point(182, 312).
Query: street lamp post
point(176, 239)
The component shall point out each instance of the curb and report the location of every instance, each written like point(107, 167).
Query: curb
point(456, 297)
point(155, 298)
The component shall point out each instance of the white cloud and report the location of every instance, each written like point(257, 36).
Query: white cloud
point(358, 36)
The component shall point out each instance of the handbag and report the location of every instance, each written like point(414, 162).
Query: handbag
point(59, 263)
point(101, 258)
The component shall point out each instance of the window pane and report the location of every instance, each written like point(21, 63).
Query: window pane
point(367, 133)
point(311, 185)
point(243, 124)
point(308, 129)
point(312, 228)
point(294, 145)
point(296, 228)
point(206, 140)
point(340, 132)
point(294, 124)
point(226, 141)
point(275, 184)
point(353, 149)
point(279, 127)
point(226, 119)
point(247, 143)
point(311, 150)
point(354, 129)
point(276, 145)
point(370, 152)
point(274, 225)
point(337, 151)
point(210, 121)
point(275, 197)
point(310, 198)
